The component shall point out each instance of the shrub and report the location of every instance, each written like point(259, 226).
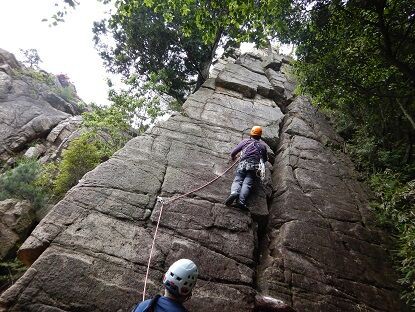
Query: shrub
point(19, 183)
point(40, 76)
point(81, 156)
point(66, 93)
point(10, 272)
point(45, 178)
point(396, 209)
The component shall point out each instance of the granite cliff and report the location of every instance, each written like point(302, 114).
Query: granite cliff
point(38, 111)
point(39, 116)
point(309, 239)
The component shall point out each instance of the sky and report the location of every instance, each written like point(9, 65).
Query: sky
point(66, 48)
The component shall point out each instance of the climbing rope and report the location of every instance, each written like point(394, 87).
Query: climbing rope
point(159, 199)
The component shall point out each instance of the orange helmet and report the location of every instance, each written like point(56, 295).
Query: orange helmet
point(256, 131)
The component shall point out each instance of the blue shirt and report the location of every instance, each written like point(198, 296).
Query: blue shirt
point(164, 304)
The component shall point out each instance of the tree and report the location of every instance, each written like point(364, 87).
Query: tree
point(81, 156)
point(367, 46)
point(32, 58)
point(153, 48)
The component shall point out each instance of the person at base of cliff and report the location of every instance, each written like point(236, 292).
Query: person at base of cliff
point(253, 151)
point(179, 281)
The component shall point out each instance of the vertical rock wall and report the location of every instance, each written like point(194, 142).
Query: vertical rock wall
point(322, 251)
point(317, 252)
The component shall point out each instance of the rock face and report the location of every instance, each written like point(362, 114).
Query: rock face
point(32, 103)
point(308, 245)
point(17, 219)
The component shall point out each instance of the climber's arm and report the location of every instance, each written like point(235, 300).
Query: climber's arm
point(237, 149)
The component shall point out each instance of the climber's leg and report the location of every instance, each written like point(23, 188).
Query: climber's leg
point(246, 188)
point(236, 186)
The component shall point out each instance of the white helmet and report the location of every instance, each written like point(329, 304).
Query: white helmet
point(181, 277)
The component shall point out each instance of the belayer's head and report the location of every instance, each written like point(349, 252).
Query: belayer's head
point(256, 132)
point(180, 279)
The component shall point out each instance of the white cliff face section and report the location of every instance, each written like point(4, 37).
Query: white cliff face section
point(90, 252)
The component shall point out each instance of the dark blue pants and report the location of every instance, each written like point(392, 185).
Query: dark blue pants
point(242, 183)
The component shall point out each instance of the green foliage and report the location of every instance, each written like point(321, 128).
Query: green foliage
point(164, 49)
point(67, 93)
point(241, 20)
point(19, 182)
point(114, 125)
point(108, 129)
point(61, 12)
point(45, 178)
point(396, 210)
point(10, 272)
point(164, 54)
point(32, 57)
point(38, 75)
point(83, 155)
point(155, 52)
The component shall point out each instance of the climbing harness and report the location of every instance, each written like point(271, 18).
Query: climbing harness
point(249, 165)
point(163, 203)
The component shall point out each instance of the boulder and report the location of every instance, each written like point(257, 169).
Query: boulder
point(230, 109)
point(17, 219)
point(60, 136)
point(241, 79)
point(24, 121)
point(60, 104)
point(35, 151)
point(7, 58)
point(251, 62)
point(219, 65)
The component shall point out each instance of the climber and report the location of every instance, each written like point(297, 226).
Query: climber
point(253, 153)
point(178, 282)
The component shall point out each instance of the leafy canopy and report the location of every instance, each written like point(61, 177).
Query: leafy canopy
point(153, 52)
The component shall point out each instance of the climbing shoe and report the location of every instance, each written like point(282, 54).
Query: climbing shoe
point(241, 206)
point(230, 199)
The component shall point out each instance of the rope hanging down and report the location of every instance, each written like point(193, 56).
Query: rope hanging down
point(161, 211)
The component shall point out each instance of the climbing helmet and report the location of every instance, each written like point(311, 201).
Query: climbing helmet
point(181, 277)
point(256, 131)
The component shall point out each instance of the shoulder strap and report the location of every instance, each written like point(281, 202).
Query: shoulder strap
point(152, 306)
point(255, 144)
point(245, 148)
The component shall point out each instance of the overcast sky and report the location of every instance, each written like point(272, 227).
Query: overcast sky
point(67, 48)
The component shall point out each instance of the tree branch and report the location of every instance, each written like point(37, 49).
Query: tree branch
point(406, 114)
point(387, 47)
